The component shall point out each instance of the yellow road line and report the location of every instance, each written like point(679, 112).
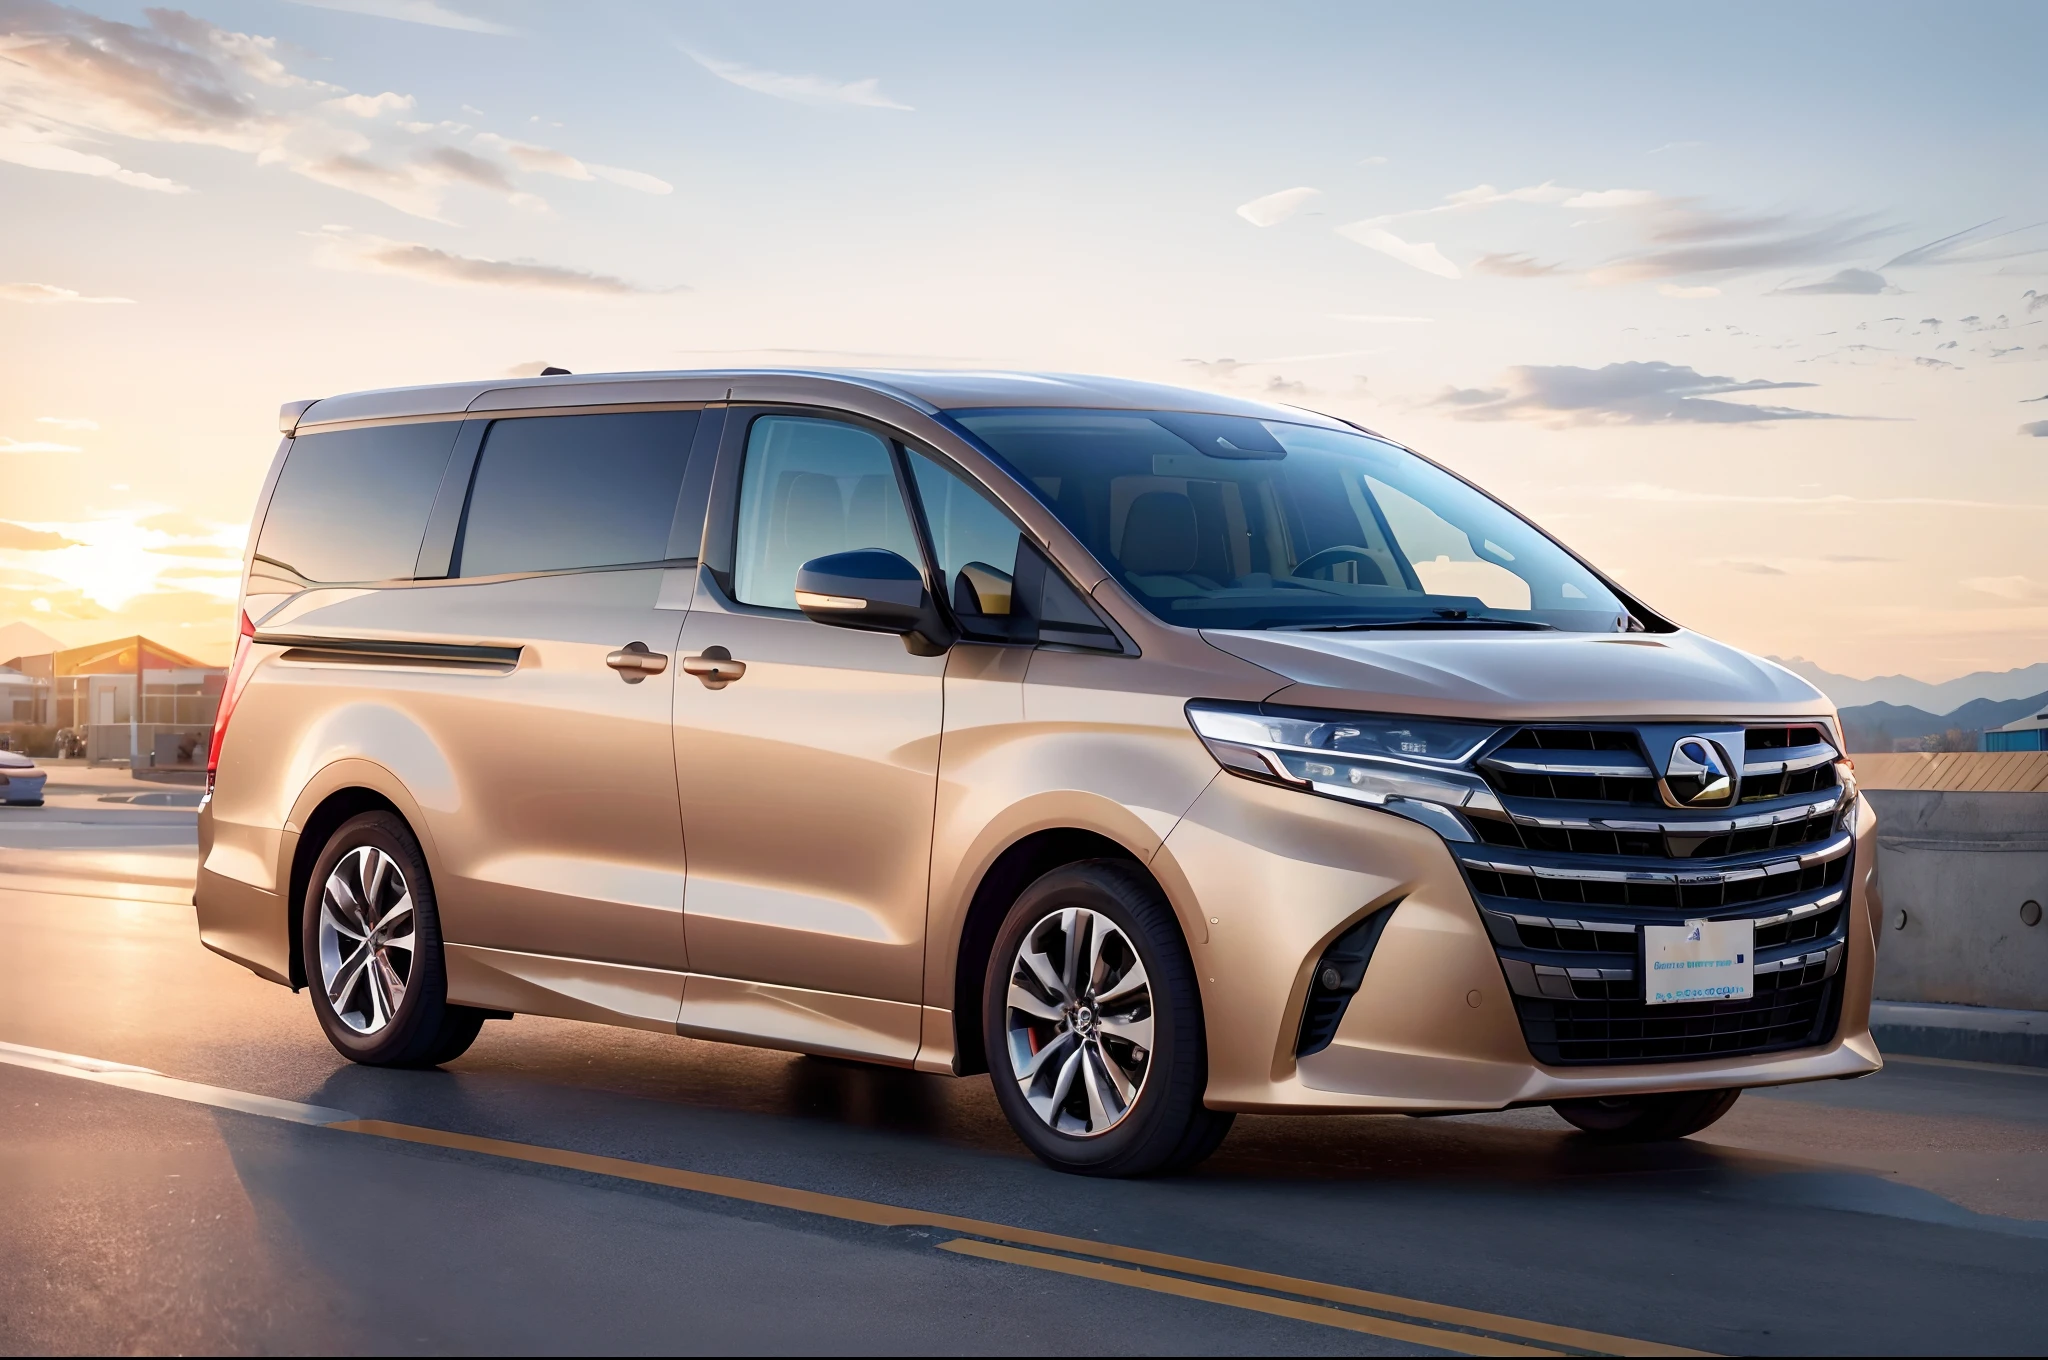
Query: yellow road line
point(893, 1216)
point(1056, 1252)
point(1464, 1343)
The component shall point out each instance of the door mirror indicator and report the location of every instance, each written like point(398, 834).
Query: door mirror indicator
point(873, 590)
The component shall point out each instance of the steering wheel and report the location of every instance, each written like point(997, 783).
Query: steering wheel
point(1330, 557)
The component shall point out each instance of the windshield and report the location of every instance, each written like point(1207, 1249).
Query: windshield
point(1230, 522)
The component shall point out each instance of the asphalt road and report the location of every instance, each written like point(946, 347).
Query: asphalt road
point(567, 1187)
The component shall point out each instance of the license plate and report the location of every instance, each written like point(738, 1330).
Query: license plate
point(1699, 961)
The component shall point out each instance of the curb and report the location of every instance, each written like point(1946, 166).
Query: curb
point(1967, 1033)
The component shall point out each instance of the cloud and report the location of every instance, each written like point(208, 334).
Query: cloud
point(426, 12)
point(799, 89)
point(414, 186)
point(64, 160)
point(1693, 241)
point(341, 249)
point(1421, 255)
point(72, 82)
point(2018, 589)
point(72, 76)
point(1855, 282)
point(1695, 291)
point(214, 550)
point(451, 163)
point(1755, 568)
point(1273, 209)
point(370, 105)
point(1673, 146)
point(1374, 160)
point(1679, 236)
point(8, 445)
point(21, 538)
point(1854, 558)
point(1648, 393)
point(633, 179)
point(1671, 495)
point(1968, 246)
point(68, 422)
point(2038, 429)
point(1924, 362)
point(1379, 319)
point(544, 160)
point(1615, 198)
point(1516, 266)
point(45, 292)
point(2035, 301)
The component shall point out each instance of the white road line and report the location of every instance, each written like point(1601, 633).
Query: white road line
point(156, 1083)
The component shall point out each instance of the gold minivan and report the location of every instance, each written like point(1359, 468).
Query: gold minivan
point(1163, 755)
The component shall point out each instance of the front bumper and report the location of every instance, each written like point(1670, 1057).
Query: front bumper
point(22, 788)
point(1277, 875)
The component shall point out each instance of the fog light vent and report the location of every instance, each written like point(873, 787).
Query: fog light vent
point(1336, 979)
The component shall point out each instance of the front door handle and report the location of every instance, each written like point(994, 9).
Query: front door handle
point(715, 667)
point(635, 663)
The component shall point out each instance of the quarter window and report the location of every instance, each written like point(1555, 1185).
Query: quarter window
point(352, 505)
point(810, 487)
point(554, 493)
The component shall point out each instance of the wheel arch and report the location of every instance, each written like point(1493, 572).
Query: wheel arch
point(340, 791)
point(1017, 867)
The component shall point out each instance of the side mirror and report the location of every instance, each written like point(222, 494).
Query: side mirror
point(875, 591)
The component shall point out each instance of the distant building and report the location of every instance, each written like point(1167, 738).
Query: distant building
point(91, 692)
point(2028, 734)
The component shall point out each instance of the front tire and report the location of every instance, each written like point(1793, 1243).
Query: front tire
point(1093, 1026)
point(1647, 1119)
point(372, 944)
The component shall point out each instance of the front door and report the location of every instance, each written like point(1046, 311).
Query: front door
point(807, 782)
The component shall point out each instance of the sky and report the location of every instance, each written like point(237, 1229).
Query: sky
point(1746, 303)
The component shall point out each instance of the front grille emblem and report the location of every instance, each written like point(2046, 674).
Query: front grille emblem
point(1700, 773)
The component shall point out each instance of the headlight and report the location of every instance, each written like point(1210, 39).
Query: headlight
point(1415, 767)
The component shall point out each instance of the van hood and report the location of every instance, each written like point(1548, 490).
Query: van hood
point(1526, 676)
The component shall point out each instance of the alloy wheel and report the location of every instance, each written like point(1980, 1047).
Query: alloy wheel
point(1079, 1022)
point(366, 939)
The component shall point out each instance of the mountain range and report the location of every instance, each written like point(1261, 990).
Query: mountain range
point(1875, 727)
point(1946, 698)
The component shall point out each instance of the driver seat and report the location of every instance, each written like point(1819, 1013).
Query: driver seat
point(1161, 545)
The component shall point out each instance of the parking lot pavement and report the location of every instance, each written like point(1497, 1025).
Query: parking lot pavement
point(571, 1187)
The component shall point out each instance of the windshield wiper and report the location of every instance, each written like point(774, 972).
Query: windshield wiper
point(1456, 621)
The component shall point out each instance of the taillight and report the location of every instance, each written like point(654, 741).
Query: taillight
point(238, 676)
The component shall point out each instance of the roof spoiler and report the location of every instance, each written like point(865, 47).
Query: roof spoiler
point(289, 414)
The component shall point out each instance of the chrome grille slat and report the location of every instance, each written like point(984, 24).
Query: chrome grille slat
point(1612, 764)
point(1833, 850)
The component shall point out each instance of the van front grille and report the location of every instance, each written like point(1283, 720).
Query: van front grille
point(1585, 851)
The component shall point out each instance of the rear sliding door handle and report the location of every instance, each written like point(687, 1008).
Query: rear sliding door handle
point(715, 667)
point(635, 663)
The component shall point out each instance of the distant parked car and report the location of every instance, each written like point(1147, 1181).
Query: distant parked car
point(21, 783)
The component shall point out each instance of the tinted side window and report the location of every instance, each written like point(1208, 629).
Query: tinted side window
point(352, 505)
point(812, 487)
point(557, 492)
point(976, 544)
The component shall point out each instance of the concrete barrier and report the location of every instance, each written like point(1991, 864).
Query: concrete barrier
point(1962, 962)
point(1957, 871)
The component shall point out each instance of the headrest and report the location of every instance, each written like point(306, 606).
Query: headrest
point(1159, 534)
point(813, 517)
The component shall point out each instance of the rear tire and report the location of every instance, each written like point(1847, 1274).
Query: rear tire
point(372, 942)
point(1093, 1026)
point(1647, 1119)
